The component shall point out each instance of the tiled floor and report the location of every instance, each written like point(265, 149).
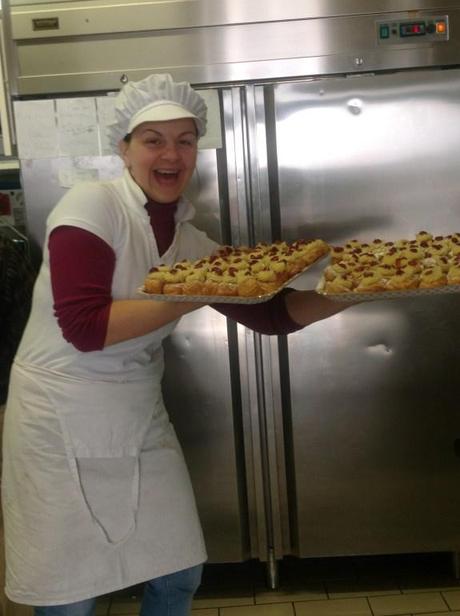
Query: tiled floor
point(404, 585)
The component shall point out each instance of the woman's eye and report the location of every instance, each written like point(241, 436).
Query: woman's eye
point(155, 142)
point(189, 143)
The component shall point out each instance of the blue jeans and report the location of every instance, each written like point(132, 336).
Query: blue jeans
point(169, 595)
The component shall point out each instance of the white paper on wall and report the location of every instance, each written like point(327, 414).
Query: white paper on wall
point(72, 127)
point(36, 129)
point(77, 126)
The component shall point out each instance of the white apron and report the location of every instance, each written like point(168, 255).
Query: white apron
point(95, 492)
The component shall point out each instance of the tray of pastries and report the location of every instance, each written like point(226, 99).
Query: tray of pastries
point(234, 274)
point(422, 265)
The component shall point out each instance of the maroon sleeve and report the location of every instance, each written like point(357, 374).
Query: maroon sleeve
point(269, 317)
point(81, 266)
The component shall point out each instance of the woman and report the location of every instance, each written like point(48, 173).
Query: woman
point(96, 496)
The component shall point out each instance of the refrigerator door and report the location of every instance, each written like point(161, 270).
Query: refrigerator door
point(371, 408)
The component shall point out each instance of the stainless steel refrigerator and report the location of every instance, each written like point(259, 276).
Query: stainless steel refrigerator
point(343, 438)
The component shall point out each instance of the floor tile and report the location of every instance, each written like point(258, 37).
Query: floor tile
point(404, 585)
point(452, 599)
point(297, 592)
point(223, 597)
point(333, 607)
point(454, 613)
point(280, 609)
point(429, 584)
point(416, 603)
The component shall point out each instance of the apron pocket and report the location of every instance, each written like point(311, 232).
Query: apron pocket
point(107, 420)
point(103, 428)
point(110, 487)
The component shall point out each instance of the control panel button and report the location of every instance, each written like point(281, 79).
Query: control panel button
point(441, 27)
point(384, 31)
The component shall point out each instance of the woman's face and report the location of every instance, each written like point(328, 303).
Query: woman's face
point(161, 157)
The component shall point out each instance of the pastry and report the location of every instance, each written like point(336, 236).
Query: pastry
point(173, 288)
point(153, 285)
point(453, 274)
point(370, 282)
point(249, 287)
point(402, 280)
point(423, 236)
point(432, 277)
point(391, 256)
point(425, 262)
point(245, 271)
point(340, 284)
point(334, 270)
point(440, 248)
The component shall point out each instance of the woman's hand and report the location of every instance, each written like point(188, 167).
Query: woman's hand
point(306, 307)
point(131, 318)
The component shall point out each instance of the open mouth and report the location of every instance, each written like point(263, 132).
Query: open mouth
point(166, 177)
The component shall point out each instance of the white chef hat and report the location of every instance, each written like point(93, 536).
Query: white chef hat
point(154, 99)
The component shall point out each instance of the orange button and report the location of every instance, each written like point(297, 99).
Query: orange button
point(441, 27)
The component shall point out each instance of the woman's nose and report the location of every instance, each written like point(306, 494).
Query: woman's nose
point(170, 151)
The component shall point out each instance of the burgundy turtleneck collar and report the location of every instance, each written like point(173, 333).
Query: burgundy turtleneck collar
point(162, 220)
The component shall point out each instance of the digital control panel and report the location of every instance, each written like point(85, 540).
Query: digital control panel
point(408, 30)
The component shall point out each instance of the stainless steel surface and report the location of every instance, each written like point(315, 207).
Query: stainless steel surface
point(92, 17)
point(369, 155)
point(272, 571)
point(342, 438)
point(235, 169)
point(216, 45)
point(374, 407)
point(374, 431)
point(254, 447)
point(6, 148)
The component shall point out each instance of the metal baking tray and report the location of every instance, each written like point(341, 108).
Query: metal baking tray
point(209, 299)
point(354, 296)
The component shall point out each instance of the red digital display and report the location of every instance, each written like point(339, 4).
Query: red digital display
point(412, 29)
